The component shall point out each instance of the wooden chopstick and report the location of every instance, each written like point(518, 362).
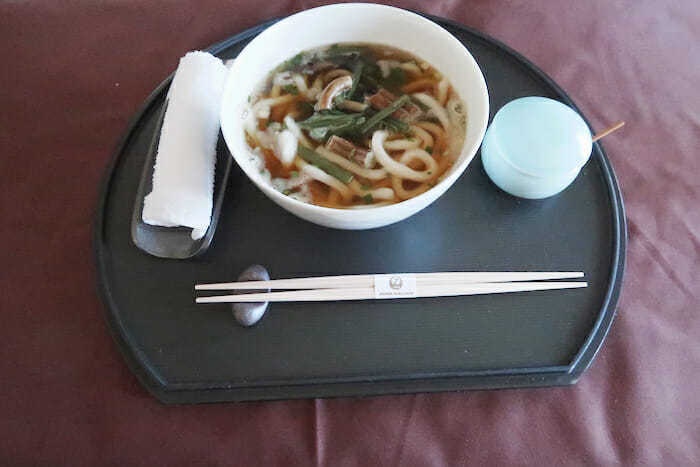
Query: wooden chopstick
point(367, 280)
point(365, 293)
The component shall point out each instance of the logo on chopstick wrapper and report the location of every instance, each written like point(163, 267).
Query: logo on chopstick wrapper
point(394, 286)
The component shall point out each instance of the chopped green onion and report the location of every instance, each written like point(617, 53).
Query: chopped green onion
point(291, 89)
point(384, 113)
point(324, 123)
point(368, 198)
point(429, 149)
point(396, 78)
point(312, 157)
point(397, 125)
point(372, 82)
point(296, 60)
point(356, 74)
point(293, 173)
point(292, 62)
point(365, 187)
point(326, 119)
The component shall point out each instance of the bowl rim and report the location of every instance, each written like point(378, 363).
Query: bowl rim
point(424, 198)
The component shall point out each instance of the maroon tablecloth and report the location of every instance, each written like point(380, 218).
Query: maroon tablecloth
point(73, 73)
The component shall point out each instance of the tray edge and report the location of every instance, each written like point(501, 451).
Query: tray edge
point(167, 393)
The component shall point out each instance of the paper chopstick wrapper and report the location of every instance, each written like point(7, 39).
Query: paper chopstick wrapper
point(183, 179)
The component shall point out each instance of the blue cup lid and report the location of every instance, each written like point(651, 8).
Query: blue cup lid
point(541, 136)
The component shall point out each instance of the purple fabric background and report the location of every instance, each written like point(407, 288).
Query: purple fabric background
point(75, 72)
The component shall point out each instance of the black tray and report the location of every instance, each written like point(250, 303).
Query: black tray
point(187, 353)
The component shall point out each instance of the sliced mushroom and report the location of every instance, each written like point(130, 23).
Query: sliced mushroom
point(332, 90)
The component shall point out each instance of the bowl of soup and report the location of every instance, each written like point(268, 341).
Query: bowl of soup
point(354, 116)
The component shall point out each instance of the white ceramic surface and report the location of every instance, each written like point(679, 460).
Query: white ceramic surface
point(354, 22)
point(518, 183)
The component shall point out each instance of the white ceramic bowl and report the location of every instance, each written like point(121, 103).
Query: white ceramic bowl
point(354, 22)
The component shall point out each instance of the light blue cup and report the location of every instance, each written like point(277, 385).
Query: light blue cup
point(535, 147)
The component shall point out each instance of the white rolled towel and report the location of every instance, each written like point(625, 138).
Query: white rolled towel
point(183, 178)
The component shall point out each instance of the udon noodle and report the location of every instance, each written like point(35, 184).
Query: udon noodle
point(354, 126)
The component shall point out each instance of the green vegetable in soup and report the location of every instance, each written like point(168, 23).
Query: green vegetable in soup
point(384, 113)
point(314, 158)
point(326, 123)
point(396, 125)
point(396, 79)
point(293, 62)
point(356, 75)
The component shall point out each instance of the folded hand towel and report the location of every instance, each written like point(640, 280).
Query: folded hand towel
point(183, 179)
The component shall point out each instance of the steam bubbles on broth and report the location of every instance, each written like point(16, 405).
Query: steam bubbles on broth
point(353, 126)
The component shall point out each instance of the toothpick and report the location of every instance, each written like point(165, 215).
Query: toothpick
point(608, 130)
